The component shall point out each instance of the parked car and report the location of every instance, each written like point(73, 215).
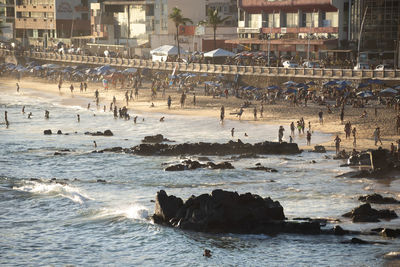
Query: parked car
point(383, 67)
point(290, 64)
point(361, 66)
point(310, 64)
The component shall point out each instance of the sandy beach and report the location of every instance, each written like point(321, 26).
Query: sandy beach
point(280, 113)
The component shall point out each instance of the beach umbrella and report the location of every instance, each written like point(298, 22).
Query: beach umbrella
point(341, 88)
point(365, 94)
point(375, 81)
point(344, 83)
point(388, 92)
point(291, 91)
point(248, 88)
point(311, 83)
point(204, 75)
point(329, 83)
point(130, 70)
point(362, 85)
point(290, 83)
point(273, 87)
point(397, 87)
point(51, 66)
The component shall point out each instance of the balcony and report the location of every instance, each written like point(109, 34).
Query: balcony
point(295, 30)
point(34, 8)
point(35, 23)
point(254, 6)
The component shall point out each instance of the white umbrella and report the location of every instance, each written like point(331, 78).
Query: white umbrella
point(167, 50)
point(219, 53)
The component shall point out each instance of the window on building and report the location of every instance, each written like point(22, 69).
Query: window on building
point(150, 10)
point(292, 20)
point(85, 16)
point(241, 15)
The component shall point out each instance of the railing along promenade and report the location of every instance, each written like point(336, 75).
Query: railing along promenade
point(310, 73)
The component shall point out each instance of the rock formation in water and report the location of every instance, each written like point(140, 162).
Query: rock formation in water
point(227, 212)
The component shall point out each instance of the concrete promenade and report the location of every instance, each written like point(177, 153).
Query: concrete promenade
point(317, 73)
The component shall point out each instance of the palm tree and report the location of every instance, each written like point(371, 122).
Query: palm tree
point(178, 19)
point(213, 20)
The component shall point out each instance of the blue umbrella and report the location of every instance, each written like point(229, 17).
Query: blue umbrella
point(365, 94)
point(362, 85)
point(290, 91)
point(311, 83)
point(344, 83)
point(249, 87)
point(273, 87)
point(388, 91)
point(341, 88)
point(375, 81)
point(329, 83)
point(289, 83)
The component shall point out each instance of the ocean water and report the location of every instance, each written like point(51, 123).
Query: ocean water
point(80, 221)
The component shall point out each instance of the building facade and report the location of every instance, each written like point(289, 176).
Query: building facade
point(380, 33)
point(146, 24)
point(293, 27)
point(44, 22)
point(7, 15)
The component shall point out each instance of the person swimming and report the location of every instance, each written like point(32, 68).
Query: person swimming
point(134, 119)
point(17, 88)
point(162, 119)
point(23, 110)
point(246, 135)
point(95, 144)
point(30, 115)
point(79, 117)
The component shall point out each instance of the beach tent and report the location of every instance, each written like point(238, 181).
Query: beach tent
point(161, 53)
point(219, 53)
point(388, 92)
point(365, 94)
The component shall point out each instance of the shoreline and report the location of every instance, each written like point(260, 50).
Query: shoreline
point(277, 114)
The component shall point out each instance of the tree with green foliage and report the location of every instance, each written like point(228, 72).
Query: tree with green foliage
point(177, 17)
point(213, 20)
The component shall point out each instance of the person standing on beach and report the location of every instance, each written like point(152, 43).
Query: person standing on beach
point(377, 136)
point(169, 101)
point(233, 132)
point(222, 114)
point(342, 116)
point(194, 99)
point(81, 87)
point(320, 115)
point(292, 128)
point(114, 100)
point(337, 141)
point(280, 133)
point(71, 88)
point(23, 110)
point(127, 98)
point(308, 138)
point(255, 113)
point(79, 117)
point(354, 131)
point(6, 119)
point(261, 111)
point(17, 88)
point(183, 97)
point(85, 86)
point(46, 114)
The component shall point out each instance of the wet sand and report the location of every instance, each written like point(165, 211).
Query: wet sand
point(280, 113)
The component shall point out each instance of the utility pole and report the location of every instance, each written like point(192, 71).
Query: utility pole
point(359, 35)
point(309, 36)
point(269, 37)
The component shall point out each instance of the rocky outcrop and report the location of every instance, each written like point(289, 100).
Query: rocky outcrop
point(365, 213)
point(227, 212)
point(47, 132)
point(378, 199)
point(229, 148)
point(390, 233)
point(99, 133)
point(319, 149)
point(362, 158)
point(158, 138)
point(259, 167)
point(193, 165)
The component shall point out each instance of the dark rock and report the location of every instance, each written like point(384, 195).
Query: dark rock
point(193, 165)
point(262, 168)
point(355, 240)
point(117, 149)
point(65, 150)
point(59, 132)
point(360, 159)
point(390, 233)
point(101, 181)
point(379, 159)
point(174, 168)
point(337, 230)
point(166, 207)
point(227, 212)
point(319, 149)
point(378, 199)
point(59, 154)
point(108, 133)
point(215, 148)
point(47, 132)
point(342, 155)
point(365, 213)
point(158, 138)
point(359, 241)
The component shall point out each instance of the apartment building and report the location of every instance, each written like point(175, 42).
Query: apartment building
point(293, 27)
point(38, 22)
point(146, 24)
point(7, 14)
